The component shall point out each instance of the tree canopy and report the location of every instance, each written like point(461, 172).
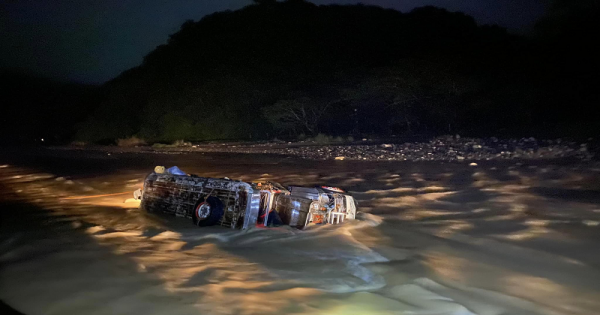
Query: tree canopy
point(286, 68)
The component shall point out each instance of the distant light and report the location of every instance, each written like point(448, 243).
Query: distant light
point(42, 139)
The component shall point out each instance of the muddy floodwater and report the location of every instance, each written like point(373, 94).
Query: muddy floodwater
point(498, 237)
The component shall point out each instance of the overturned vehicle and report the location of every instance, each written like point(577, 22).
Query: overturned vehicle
point(236, 204)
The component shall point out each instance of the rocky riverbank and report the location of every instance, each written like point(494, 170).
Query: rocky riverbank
point(447, 148)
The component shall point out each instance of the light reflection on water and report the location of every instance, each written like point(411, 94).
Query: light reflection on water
point(217, 278)
point(549, 294)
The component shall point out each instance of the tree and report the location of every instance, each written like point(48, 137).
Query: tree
point(297, 116)
point(568, 19)
point(410, 97)
point(295, 67)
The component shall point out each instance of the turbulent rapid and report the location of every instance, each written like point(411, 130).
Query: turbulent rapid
point(430, 238)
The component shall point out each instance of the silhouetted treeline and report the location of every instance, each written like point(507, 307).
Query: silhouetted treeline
point(40, 110)
point(279, 69)
point(567, 61)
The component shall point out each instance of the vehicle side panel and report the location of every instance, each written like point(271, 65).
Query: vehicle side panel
point(178, 194)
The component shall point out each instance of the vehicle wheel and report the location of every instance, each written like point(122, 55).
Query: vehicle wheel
point(207, 212)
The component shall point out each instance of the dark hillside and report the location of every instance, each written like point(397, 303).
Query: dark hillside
point(291, 68)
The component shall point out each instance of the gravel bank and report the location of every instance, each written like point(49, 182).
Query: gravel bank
point(448, 148)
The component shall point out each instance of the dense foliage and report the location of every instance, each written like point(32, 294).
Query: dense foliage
point(283, 69)
point(292, 68)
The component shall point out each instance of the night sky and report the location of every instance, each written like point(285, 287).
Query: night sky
point(93, 41)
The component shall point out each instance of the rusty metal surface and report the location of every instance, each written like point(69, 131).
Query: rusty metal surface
point(242, 206)
point(293, 211)
point(178, 194)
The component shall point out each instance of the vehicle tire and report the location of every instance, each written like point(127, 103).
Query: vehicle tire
point(207, 212)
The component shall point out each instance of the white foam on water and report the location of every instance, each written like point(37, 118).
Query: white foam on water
point(113, 267)
point(95, 229)
point(167, 235)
